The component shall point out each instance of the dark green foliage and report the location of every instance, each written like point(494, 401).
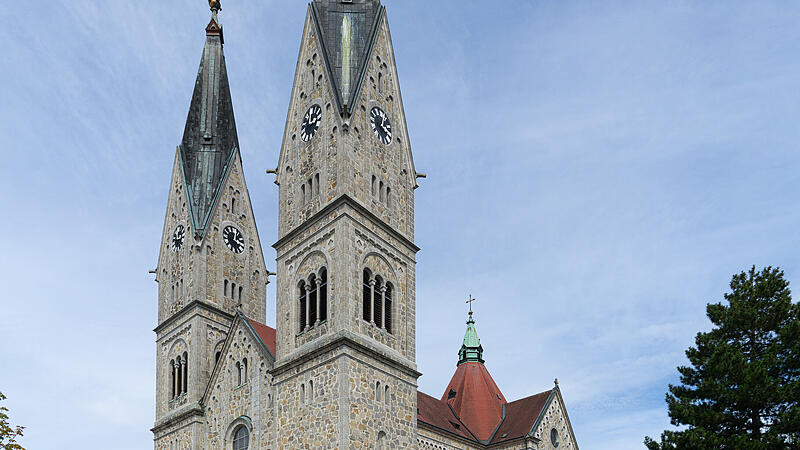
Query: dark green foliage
point(743, 387)
point(8, 434)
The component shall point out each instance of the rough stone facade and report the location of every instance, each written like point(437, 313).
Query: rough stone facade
point(200, 284)
point(343, 379)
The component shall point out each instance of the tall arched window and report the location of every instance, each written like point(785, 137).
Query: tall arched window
point(387, 304)
point(238, 373)
point(377, 296)
point(323, 294)
point(313, 298)
point(367, 297)
point(244, 371)
point(173, 379)
point(185, 372)
point(303, 300)
point(241, 438)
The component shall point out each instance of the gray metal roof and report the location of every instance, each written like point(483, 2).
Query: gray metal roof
point(348, 31)
point(209, 139)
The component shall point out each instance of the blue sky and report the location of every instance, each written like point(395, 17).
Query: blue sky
point(597, 172)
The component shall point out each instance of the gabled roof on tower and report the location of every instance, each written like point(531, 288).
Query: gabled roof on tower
point(348, 32)
point(209, 139)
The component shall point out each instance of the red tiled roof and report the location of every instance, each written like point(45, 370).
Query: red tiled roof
point(477, 400)
point(267, 334)
point(520, 416)
point(436, 413)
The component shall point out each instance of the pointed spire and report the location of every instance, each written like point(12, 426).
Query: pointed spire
point(210, 138)
point(348, 31)
point(471, 349)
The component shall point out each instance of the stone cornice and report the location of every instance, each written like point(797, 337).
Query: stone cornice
point(191, 305)
point(180, 415)
point(349, 339)
point(345, 199)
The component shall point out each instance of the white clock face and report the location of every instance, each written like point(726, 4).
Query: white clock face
point(381, 125)
point(177, 238)
point(233, 239)
point(311, 123)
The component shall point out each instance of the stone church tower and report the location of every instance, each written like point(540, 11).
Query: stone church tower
point(339, 369)
point(346, 217)
point(210, 263)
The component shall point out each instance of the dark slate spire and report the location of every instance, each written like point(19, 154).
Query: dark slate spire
point(348, 31)
point(209, 140)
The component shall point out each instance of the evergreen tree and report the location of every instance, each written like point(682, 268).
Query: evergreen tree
point(743, 386)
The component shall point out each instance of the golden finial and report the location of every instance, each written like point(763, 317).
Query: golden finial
point(214, 5)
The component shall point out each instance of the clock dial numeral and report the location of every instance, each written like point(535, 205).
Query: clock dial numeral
point(233, 239)
point(381, 125)
point(311, 123)
point(177, 238)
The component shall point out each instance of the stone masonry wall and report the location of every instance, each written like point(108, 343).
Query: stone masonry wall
point(251, 400)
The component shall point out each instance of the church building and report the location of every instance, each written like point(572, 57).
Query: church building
point(339, 370)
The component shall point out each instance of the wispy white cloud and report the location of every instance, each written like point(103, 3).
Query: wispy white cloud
point(596, 175)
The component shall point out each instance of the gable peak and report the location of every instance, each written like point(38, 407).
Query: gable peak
point(347, 29)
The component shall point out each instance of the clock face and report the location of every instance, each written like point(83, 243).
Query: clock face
point(381, 125)
point(177, 238)
point(233, 239)
point(311, 123)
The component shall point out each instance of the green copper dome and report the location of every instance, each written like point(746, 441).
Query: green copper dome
point(471, 349)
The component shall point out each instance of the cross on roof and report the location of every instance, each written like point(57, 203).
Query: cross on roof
point(470, 303)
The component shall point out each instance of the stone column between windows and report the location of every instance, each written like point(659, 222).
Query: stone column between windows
point(372, 300)
point(308, 306)
point(174, 379)
point(383, 306)
point(185, 373)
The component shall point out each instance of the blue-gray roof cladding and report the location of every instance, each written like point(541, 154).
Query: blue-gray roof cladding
point(348, 29)
point(209, 139)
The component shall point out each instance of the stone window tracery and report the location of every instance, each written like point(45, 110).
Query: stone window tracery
point(179, 369)
point(313, 300)
point(377, 300)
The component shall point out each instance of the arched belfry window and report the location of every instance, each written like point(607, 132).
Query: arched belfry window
point(241, 438)
point(367, 296)
point(313, 300)
point(185, 372)
point(376, 298)
point(323, 294)
point(387, 305)
point(303, 301)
